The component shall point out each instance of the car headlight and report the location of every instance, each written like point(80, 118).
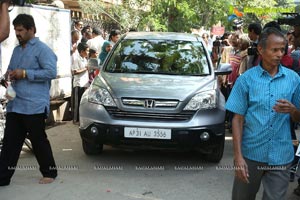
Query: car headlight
point(202, 101)
point(100, 96)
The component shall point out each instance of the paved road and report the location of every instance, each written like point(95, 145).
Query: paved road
point(120, 174)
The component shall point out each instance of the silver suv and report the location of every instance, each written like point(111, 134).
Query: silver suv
point(156, 90)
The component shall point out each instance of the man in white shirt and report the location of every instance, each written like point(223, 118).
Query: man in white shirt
point(97, 41)
point(78, 25)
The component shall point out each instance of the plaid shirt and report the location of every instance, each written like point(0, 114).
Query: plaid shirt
point(39, 61)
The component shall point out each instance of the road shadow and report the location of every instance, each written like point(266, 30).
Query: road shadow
point(55, 124)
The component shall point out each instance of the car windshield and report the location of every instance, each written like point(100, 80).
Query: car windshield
point(159, 57)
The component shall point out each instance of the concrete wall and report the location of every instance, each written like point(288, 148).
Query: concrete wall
point(60, 110)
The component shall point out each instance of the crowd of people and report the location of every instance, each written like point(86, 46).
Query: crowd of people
point(89, 49)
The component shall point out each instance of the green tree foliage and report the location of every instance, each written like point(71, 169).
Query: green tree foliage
point(180, 15)
point(264, 11)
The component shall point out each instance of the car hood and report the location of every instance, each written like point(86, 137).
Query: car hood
point(154, 85)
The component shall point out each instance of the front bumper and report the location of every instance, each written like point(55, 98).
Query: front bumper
point(188, 138)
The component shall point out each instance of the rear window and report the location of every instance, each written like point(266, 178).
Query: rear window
point(159, 57)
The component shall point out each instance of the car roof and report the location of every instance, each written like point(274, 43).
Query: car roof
point(162, 36)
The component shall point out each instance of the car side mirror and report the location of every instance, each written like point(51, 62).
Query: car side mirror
point(223, 69)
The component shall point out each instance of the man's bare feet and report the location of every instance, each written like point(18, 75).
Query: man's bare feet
point(46, 180)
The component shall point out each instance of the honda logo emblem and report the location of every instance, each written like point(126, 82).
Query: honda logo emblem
point(149, 103)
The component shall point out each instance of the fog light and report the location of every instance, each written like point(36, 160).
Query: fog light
point(94, 130)
point(204, 136)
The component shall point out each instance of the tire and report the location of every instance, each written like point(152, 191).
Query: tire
point(217, 152)
point(92, 148)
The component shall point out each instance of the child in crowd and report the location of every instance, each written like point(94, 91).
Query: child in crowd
point(80, 78)
point(93, 64)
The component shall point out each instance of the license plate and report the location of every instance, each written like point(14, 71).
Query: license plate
point(148, 133)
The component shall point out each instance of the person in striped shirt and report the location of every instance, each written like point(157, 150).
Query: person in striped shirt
point(263, 149)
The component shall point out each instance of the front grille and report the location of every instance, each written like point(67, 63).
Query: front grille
point(150, 103)
point(119, 114)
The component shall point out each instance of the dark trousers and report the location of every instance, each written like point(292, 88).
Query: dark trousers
point(77, 93)
point(229, 114)
point(16, 129)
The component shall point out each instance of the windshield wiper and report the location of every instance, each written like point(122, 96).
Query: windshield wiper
point(140, 72)
point(180, 74)
point(167, 73)
point(198, 74)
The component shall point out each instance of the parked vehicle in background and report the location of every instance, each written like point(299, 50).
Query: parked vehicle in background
point(156, 90)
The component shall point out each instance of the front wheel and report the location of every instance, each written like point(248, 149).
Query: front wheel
point(217, 152)
point(92, 148)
